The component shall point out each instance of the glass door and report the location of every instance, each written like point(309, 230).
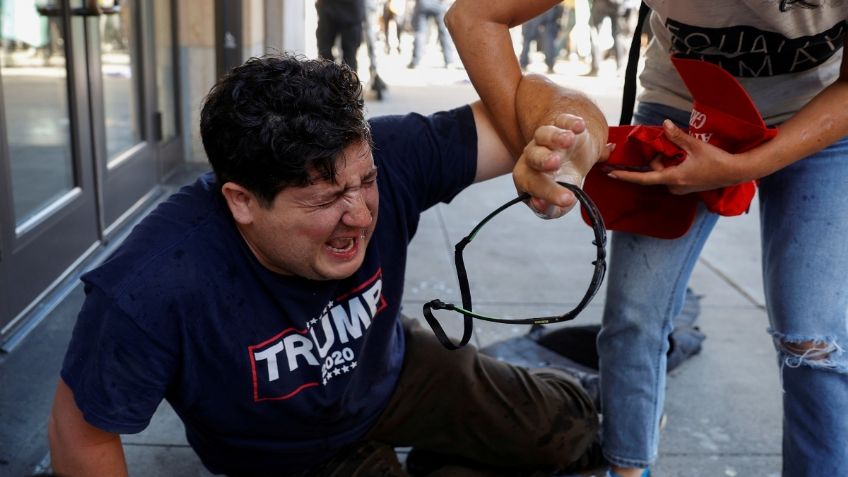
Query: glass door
point(48, 212)
point(87, 115)
point(125, 150)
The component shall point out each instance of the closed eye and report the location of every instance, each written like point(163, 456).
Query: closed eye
point(371, 178)
point(327, 201)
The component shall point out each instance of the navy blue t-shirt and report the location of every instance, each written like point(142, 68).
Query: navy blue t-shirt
point(271, 374)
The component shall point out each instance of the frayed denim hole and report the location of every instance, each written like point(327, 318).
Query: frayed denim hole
point(811, 351)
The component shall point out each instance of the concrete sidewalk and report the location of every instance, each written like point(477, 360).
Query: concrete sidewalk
point(723, 406)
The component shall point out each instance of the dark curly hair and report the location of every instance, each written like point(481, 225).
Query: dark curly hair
point(275, 120)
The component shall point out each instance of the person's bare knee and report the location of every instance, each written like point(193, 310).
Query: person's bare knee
point(812, 350)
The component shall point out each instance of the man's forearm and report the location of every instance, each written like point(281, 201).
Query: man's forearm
point(497, 86)
point(571, 131)
point(480, 30)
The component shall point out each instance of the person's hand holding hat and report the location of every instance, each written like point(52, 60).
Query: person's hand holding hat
point(707, 168)
point(657, 175)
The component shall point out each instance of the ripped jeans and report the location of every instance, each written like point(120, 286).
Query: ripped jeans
point(804, 227)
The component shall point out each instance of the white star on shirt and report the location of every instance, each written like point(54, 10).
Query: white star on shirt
point(345, 368)
point(337, 372)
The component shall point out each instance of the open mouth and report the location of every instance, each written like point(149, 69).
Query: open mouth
point(342, 245)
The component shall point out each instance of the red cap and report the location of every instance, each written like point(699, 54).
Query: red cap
point(722, 115)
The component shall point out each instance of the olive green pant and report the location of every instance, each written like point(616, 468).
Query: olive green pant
point(511, 420)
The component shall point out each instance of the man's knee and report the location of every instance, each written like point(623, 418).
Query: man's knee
point(570, 440)
point(573, 423)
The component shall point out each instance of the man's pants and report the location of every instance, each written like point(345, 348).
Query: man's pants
point(468, 404)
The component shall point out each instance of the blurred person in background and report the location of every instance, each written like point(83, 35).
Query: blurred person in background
point(422, 13)
point(542, 30)
point(340, 20)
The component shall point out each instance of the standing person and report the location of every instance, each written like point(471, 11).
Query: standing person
point(598, 11)
point(422, 13)
point(393, 11)
point(370, 26)
point(263, 301)
point(342, 19)
point(568, 21)
point(789, 56)
point(544, 30)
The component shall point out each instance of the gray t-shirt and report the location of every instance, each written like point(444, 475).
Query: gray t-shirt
point(783, 54)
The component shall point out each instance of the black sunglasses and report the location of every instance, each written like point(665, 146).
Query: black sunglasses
point(597, 278)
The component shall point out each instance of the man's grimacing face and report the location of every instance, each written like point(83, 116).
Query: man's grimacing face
point(319, 231)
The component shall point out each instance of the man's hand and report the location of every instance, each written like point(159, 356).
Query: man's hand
point(563, 151)
point(706, 167)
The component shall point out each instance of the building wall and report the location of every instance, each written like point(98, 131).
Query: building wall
point(253, 43)
point(196, 37)
point(285, 25)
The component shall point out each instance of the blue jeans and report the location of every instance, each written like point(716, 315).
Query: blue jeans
point(804, 225)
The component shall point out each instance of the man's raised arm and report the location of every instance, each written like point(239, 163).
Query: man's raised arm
point(521, 104)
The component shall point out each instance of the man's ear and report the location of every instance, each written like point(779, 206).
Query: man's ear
point(241, 202)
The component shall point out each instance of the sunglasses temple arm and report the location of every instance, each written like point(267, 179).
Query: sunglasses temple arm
point(467, 324)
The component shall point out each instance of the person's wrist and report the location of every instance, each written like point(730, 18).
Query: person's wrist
point(583, 156)
point(750, 165)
